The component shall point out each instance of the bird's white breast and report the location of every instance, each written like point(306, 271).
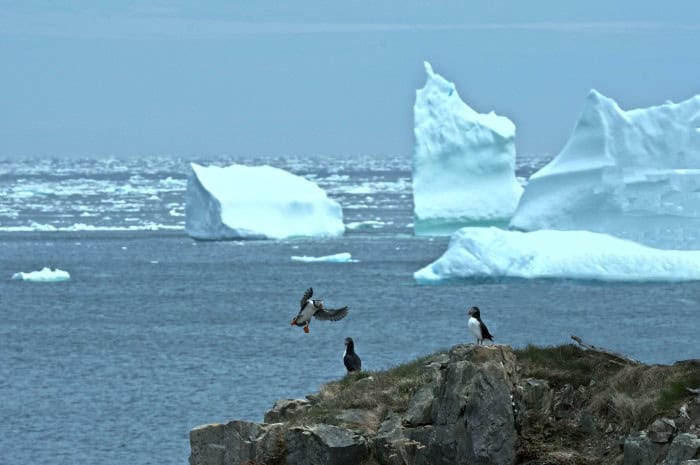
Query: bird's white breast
point(306, 313)
point(475, 327)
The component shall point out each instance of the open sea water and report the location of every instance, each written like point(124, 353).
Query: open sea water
point(156, 333)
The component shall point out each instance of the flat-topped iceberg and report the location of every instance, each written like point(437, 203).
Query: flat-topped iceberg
point(495, 253)
point(463, 162)
point(257, 202)
point(343, 257)
point(44, 275)
point(634, 174)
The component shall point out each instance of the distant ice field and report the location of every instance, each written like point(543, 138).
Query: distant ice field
point(122, 194)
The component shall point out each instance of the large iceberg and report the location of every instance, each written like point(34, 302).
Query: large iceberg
point(257, 202)
point(463, 162)
point(634, 174)
point(495, 253)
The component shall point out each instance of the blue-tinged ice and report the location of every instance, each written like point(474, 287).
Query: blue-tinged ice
point(634, 174)
point(257, 202)
point(463, 162)
point(496, 253)
point(43, 275)
point(344, 257)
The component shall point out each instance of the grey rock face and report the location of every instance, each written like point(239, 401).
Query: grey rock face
point(464, 417)
point(237, 442)
point(286, 409)
point(473, 419)
point(420, 407)
point(640, 450)
point(245, 441)
point(684, 447)
point(207, 445)
point(324, 444)
point(661, 430)
point(533, 399)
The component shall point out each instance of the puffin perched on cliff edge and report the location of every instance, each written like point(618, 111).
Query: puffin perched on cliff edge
point(350, 358)
point(314, 307)
point(478, 328)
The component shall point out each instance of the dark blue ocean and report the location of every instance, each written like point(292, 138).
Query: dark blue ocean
point(156, 333)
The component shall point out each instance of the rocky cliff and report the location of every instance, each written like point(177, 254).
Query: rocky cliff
point(478, 405)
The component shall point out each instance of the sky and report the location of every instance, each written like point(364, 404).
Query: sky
point(316, 77)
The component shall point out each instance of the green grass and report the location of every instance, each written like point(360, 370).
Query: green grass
point(564, 364)
point(387, 391)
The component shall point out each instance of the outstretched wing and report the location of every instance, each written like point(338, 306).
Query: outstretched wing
point(307, 295)
point(330, 314)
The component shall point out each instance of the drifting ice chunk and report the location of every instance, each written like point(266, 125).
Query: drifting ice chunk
point(634, 174)
point(45, 275)
point(463, 162)
point(495, 253)
point(261, 202)
point(343, 257)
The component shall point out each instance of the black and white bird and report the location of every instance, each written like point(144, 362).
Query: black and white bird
point(477, 327)
point(350, 358)
point(314, 307)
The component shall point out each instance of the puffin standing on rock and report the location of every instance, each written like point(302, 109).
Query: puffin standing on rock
point(350, 358)
point(314, 307)
point(478, 328)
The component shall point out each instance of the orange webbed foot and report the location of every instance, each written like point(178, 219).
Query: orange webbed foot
point(306, 329)
point(294, 321)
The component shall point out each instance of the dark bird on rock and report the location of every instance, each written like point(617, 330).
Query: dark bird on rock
point(314, 307)
point(350, 358)
point(478, 328)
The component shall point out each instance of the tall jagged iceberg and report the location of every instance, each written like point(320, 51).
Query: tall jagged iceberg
point(463, 162)
point(634, 174)
point(257, 202)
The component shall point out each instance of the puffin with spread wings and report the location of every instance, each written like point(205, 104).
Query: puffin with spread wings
point(314, 307)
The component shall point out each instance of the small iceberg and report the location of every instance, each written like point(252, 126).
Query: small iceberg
point(46, 275)
point(495, 253)
point(344, 257)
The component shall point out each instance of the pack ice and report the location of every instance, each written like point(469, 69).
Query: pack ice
point(634, 174)
point(257, 202)
point(495, 253)
point(463, 162)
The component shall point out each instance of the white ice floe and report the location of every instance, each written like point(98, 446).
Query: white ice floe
point(495, 253)
point(634, 174)
point(257, 202)
point(44, 275)
point(463, 162)
point(343, 257)
point(365, 225)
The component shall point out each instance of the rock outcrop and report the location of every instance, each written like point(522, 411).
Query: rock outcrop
point(476, 405)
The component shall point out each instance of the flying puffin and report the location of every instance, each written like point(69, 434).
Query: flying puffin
point(313, 307)
point(477, 326)
point(350, 358)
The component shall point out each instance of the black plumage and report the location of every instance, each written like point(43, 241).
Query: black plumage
point(351, 359)
point(482, 332)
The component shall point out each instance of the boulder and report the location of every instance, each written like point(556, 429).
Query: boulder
point(286, 409)
point(324, 444)
point(640, 450)
point(684, 447)
point(661, 430)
